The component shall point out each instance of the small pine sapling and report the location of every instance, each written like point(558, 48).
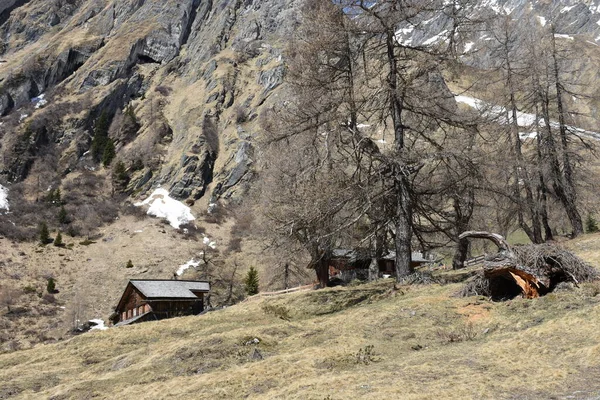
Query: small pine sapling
point(62, 217)
point(58, 242)
point(57, 200)
point(591, 225)
point(251, 282)
point(129, 264)
point(44, 234)
point(51, 285)
point(109, 152)
point(100, 136)
point(120, 172)
point(120, 177)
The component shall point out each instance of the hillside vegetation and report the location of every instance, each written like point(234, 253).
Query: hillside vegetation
point(290, 137)
point(366, 341)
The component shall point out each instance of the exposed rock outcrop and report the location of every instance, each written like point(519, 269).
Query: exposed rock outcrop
point(175, 63)
point(99, 55)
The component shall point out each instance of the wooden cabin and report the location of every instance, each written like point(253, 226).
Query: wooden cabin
point(154, 299)
point(387, 264)
point(348, 265)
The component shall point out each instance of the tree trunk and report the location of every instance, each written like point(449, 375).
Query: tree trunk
point(503, 268)
point(403, 217)
point(559, 185)
point(286, 276)
point(403, 232)
point(570, 194)
point(373, 269)
point(542, 189)
point(460, 256)
point(322, 270)
point(504, 249)
point(464, 212)
point(520, 169)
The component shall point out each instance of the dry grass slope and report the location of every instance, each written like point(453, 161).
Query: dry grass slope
point(366, 341)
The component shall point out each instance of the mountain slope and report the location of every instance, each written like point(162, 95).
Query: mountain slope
point(183, 83)
point(180, 66)
point(184, 86)
point(360, 342)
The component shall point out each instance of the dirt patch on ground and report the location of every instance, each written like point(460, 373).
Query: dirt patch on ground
point(475, 312)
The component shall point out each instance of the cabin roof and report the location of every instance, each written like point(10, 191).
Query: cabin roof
point(416, 257)
point(350, 255)
point(353, 255)
point(155, 288)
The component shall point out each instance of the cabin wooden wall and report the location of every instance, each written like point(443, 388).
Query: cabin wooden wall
point(174, 308)
point(135, 304)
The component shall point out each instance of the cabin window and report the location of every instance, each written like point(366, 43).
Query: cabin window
point(141, 310)
point(123, 316)
point(135, 312)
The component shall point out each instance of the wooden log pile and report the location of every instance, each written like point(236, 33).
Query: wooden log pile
point(530, 271)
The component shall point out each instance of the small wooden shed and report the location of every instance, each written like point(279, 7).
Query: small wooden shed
point(153, 299)
point(350, 264)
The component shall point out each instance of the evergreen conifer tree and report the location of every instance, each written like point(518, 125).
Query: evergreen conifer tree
point(58, 240)
point(62, 216)
point(100, 136)
point(109, 152)
point(591, 225)
point(51, 285)
point(120, 172)
point(57, 198)
point(251, 282)
point(44, 233)
point(120, 177)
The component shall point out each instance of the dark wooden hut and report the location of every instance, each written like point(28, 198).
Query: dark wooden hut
point(153, 299)
point(347, 265)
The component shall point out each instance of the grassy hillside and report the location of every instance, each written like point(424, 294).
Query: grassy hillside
point(89, 275)
point(367, 341)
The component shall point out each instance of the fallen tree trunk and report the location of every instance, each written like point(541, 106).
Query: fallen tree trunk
point(530, 271)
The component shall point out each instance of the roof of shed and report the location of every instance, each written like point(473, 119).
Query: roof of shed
point(362, 254)
point(170, 288)
point(416, 256)
point(351, 255)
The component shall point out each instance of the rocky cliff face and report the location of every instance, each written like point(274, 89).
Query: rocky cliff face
point(194, 72)
point(568, 17)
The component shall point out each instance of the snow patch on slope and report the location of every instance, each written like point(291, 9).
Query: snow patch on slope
point(183, 267)
point(4, 198)
point(524, 120)
point(210, 243)
point(435, 39)
point(163, 206)
point(542, 20)
point(404, 35)
point(98, 325)
point(561, 36)
point(39, 101)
